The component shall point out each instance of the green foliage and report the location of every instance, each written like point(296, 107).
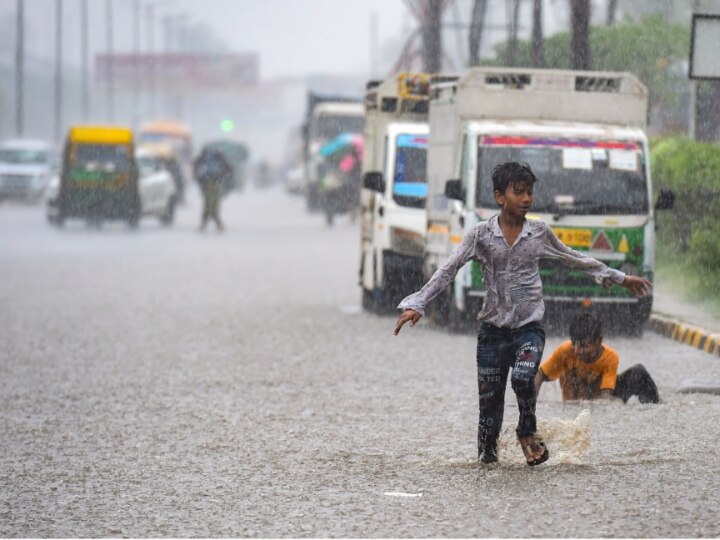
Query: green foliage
point(647, 48)
point(689, 234)
point(683, 164)
point(705, 248)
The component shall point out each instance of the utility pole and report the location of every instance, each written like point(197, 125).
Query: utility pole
point(110, 74)
point(476, 29)
point(432, 37)
point(19, 61)
point(58, 69)
point(84, 60)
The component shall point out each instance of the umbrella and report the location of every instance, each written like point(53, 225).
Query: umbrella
point(342, 142)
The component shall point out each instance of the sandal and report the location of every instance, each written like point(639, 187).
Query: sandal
point(531, 448)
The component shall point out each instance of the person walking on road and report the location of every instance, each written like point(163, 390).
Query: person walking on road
point(211, 173)
point(587, 369)
point(508, 247)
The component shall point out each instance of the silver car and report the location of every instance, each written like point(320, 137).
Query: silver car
point(25, 168)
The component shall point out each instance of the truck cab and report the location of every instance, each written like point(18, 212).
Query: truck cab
point(394, 189)
point(583, 135)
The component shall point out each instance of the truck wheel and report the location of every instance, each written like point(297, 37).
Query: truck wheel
point(368, 301)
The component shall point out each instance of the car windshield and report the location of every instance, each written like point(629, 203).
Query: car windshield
point(148, 165)
point(410, 180)
point(574, 176)
point(329, 126)
point(17, 156)
point(101, 157)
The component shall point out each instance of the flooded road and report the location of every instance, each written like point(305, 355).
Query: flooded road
point(167, 383)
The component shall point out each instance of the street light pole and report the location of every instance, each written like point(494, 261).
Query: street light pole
point(84, 59)
point(110, 81)
point(150, 46)
point(19, 60)
point(58, 68)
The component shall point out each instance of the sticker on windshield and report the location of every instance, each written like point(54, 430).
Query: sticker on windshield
point(623, 160)
point(577, 158)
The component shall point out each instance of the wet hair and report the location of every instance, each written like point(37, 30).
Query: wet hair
point(585, 327)
point(512, 172)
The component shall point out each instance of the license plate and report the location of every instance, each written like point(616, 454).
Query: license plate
point(575, 237)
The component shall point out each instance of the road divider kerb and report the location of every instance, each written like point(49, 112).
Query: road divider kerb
point(685, 333)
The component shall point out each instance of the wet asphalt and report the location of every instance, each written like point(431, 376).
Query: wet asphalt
point(163, 382)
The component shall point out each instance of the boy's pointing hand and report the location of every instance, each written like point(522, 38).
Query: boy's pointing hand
point(409, 315)
point(639, 286)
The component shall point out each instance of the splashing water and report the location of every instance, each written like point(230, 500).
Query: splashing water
point(567, 440)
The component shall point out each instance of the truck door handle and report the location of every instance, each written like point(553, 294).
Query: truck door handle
point(381, 211)
point(461, 221)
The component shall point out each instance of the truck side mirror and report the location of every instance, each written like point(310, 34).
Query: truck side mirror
point(454, 190)
point(665, 200)
point(374, 181)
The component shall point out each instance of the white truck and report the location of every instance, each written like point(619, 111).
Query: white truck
point(327, 117)
point(583, 135)
point(394, 188)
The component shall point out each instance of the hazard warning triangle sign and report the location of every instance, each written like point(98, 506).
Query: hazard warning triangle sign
point(602, 242)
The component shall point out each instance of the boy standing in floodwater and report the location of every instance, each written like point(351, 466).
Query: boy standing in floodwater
point(508, 247)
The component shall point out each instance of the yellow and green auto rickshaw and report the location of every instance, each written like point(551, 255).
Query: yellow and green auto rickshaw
point(99, 178)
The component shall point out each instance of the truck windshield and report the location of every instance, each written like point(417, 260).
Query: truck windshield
point(329, 126)
point(410, 182)
point(575, 176)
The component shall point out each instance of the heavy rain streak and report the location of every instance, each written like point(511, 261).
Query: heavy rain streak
point(359, 268)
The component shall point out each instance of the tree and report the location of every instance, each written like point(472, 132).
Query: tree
point(611, 11)
point(649, 48)
point(579, 28)
point(476, 29)
point(538, 59)
point(513, 32)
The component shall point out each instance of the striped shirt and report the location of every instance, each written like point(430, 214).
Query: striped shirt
point(511, 273)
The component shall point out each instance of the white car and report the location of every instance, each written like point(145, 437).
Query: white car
point(158, 194)
point(25, 168)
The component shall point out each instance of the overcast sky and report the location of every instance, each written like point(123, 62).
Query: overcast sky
point(293, 37)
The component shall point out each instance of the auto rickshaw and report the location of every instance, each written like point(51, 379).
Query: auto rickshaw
point(99, 176)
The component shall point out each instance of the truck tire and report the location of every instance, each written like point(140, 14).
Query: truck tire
point(368, 301)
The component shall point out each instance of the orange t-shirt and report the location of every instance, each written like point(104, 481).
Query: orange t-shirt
point(579, 380)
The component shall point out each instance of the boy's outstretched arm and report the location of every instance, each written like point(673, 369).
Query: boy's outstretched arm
point(638, 285)
point(409, 315)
